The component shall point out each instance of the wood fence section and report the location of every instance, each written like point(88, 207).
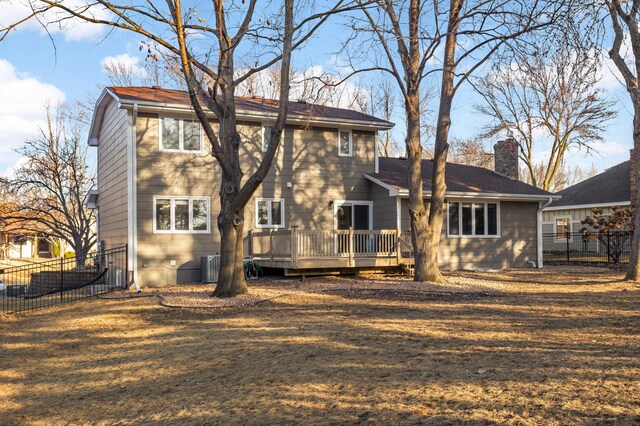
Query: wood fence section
point(311, 249)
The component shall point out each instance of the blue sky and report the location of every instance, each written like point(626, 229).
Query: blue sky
point(32, 72)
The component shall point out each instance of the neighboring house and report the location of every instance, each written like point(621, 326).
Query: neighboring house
point(328, 201)
point(604, 191)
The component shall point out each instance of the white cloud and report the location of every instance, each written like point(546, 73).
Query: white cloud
point(126, 62)
point(55, 21)
point(22, 101)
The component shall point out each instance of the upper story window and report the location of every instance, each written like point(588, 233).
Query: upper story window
point(269, 213)
point(181, 215)
point(345, 143)
point(266, 137)
point(563, 227)
point(472, 219)
point(179, 135)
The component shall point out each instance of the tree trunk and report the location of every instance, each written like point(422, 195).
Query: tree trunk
point(441, 148)
point(417, 210)
point(633, 270)
point(231, 279)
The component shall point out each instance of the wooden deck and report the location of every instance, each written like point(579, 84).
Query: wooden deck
point(336, 250)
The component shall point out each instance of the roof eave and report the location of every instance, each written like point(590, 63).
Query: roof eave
point(98, 116)
point(588, 206)
point(404, 192)
point(263, 116)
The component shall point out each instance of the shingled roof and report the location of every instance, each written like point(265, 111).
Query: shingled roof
point(609, 187)
point(393, 172)
point(253, 104)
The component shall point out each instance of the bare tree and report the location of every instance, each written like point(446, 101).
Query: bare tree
point(624, 18)
point(547, 96)
point(404, 40)
point(565, 176)
point(470, 152)
point(49, 190)
point(210, 74)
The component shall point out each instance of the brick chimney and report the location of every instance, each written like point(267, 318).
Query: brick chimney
point(506, 158)
point(633, 176)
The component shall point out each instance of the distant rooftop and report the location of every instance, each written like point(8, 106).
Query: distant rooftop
point(609, 187)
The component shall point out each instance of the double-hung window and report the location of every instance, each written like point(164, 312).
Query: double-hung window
point(181, 214)
point(180, 135)
point(563, 228)
point(345, 143)
point(269, 213)
point(470, 219)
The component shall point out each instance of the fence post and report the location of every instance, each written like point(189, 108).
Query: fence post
point(294, 246)
point(608, 247)
point(250, 243)
point(62, 279)
point(567, 236)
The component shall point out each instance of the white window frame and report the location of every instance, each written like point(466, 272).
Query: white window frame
point(180, 136)
point(554, 223)
point(269, 218)
point(350, 132)
point(338, 203)
point(172, 199)
point(473, 218)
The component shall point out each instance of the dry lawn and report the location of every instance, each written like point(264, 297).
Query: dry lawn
point(554, 347)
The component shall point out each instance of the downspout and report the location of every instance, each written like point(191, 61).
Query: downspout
point(134, 206)
point(541, 207)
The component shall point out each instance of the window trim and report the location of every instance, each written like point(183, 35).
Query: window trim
point(180, 149)
point(172, 199)
point(269, 225)
point(338, 203)
point(554, 223)
point(350, 132)
point(473, 219)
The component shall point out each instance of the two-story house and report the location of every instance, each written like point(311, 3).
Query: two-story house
point(329, 201)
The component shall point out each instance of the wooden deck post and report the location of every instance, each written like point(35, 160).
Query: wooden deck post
point(398, 242)
point(351, 260)
point(294, 246)
point(271, 245)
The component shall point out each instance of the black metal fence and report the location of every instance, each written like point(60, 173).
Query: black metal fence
point(578, 247)
point(42, 284)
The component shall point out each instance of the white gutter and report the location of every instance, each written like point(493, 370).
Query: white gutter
point(540, 245)
point(588, 206)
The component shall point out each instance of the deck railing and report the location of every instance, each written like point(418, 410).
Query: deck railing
point(277, 244)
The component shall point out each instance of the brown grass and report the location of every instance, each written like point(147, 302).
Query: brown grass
point(559, 347)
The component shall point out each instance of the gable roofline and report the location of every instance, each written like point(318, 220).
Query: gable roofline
point(403, 192)
point(98, 115)
point(242, 114)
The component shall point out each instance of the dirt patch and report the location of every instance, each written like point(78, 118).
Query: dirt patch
point(555, 347)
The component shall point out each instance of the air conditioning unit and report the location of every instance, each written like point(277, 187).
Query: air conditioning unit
point(209, 268)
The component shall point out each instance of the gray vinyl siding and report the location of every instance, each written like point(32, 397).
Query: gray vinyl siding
point(515, 247)
point(112, 177)
point(385, 215)
point(307, 158)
